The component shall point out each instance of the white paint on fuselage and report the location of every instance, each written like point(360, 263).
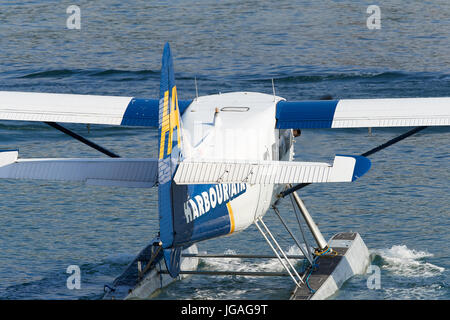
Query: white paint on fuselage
point(243, 129)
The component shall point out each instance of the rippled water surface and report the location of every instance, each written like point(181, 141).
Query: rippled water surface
point(400, 208)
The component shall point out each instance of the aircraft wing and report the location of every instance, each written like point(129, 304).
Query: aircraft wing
point(343, 169)
point(75, 108)
point(354, 113)
point(122, 172)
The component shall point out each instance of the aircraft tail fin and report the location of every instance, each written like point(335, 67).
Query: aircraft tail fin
point(169, 155)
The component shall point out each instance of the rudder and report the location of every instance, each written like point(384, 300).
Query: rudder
point(169, 154)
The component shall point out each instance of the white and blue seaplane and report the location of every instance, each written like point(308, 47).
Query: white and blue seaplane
point(223, 161)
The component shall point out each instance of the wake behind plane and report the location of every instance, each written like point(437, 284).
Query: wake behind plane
point(223, 161)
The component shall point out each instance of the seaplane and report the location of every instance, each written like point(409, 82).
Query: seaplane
point(223, 161)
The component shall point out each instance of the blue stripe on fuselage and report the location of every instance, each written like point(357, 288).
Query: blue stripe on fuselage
point(205, 212)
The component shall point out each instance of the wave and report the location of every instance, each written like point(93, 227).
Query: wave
point(309, 76)
point(431, 292)
point(340, 76)
point(64, 73)
point(238, 264)
point(401, 260)
point(242, 287)
point(109, 72)
point(51, 74)
point(291, 77)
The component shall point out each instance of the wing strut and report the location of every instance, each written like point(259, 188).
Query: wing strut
point(82, 139)
point(365, 154)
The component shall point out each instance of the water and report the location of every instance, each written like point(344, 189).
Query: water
point(401, 207)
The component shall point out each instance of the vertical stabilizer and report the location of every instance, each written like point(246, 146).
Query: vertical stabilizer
point(169, 154)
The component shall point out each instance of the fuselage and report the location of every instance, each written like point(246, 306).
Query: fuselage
point(233, 126)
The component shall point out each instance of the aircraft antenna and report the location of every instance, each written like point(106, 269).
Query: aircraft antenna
point(273, 89)
point(196, 88)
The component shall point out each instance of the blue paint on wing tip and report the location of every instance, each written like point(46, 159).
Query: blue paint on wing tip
point(362, 165)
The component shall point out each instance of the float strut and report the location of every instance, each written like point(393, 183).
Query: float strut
point(321, 243)
point(305, 254)
point(286, 259)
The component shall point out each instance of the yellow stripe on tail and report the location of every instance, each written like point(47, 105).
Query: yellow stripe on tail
point(170, 121)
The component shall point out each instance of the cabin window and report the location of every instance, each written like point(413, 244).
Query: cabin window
point(284, 142)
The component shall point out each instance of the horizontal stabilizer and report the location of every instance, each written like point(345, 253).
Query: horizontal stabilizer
point(8, 157)
point(122, 172)
point(77, 108)
point(344, 169)
point(356, 113)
